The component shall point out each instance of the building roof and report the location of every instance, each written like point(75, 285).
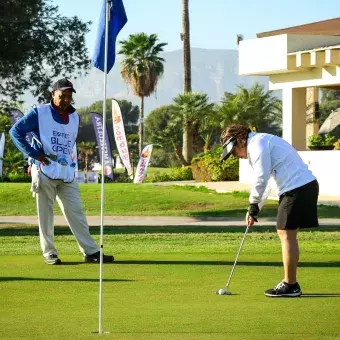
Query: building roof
point(325, 27)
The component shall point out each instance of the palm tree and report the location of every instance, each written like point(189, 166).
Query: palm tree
point(86, 149)
point(194, 109)
point(255, 107)
point(141, 68)
point(187, 130)
point(210, 127)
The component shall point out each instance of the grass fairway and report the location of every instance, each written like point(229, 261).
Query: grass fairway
point(163, 285)
point(147, 200)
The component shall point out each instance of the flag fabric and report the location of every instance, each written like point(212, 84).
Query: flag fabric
point(143, 164)
point(120, 138)
point(2, 150)
point(97, 121)
point(117, 20)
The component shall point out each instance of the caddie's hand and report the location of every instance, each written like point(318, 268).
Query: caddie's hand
point(43, 159)
point(29, 172)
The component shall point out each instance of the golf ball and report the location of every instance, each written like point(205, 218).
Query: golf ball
point(221, 292)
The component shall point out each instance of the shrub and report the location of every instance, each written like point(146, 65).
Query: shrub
point(315, 140)
point(329, 139)
point(19, 178)
point(318, 140)
point(120, 177)
point(209, 168)
point(176, 174)
point(162, 158)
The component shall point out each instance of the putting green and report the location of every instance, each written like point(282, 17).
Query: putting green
point(168, 292)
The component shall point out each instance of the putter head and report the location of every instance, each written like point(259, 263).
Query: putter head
point(228, 147)
point(222, 292)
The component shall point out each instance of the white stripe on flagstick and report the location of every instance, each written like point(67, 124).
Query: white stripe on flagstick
point(2, 151)
point(100, 330)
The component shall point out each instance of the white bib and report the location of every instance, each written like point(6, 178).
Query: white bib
point(58, 140)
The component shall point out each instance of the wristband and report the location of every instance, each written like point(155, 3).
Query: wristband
point(253, 210)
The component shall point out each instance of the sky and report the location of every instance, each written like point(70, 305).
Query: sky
point(214, 24)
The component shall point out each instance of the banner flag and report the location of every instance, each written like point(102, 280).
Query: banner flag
point(120, 137)
point(143, 164)
point(2, 150)
point(15, 115)
point(117, 20)
point(97, 121)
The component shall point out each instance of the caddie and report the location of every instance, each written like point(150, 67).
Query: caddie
point(54, 127)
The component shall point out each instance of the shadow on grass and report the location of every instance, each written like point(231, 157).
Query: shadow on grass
point(232, 213)
point(19, 278)
point(320, 295)
point(330, 264)
point(172, 229)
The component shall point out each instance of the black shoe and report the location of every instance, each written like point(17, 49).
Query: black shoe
point(284, 289)
point(96, 258)
point(52, 259)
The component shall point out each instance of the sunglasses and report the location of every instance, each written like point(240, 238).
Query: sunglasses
point(228, 147)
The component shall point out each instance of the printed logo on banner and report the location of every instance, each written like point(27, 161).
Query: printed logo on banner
point(120, 137)
point(143, 164)
point(97, 121)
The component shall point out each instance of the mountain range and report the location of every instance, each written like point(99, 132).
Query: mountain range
point(213, 72)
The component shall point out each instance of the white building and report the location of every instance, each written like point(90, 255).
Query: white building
point(299, 61)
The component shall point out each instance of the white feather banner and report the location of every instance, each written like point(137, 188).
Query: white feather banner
point(143, 164)
point(120, 138)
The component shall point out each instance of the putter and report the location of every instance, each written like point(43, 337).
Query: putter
point(226, 291)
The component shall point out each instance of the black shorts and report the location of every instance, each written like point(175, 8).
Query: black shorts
point(298, 208)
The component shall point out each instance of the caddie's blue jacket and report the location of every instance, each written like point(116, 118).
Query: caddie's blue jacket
point(29, 123)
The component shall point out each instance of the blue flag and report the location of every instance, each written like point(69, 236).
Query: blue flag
point(117, 20)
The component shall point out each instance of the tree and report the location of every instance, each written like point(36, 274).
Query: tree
point(163, 128)
point(210, 127)
point(129, 111)
point(132, 141)
point(37, 45)
point(187, 130)
point(195, 112)
point(13, 162)
point(255, 107)
point(130, 114)
point(85, 150)
point(330, 95)
point(330, 102)
point(141, 68)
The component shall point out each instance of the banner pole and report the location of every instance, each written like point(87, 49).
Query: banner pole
point(102, 182)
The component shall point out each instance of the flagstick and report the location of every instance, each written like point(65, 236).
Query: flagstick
point(100, 331)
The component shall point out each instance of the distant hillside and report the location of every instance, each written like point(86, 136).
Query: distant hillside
point(213, 72)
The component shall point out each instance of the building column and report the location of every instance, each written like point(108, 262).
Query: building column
point(312, 113)
point(294, 117)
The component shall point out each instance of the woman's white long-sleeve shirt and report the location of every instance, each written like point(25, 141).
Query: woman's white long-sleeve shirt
point(271, 156)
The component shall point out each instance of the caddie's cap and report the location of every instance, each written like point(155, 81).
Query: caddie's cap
point(63, 84)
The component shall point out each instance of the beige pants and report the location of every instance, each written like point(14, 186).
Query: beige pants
point(68, 197)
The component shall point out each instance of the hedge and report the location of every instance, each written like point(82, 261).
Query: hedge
point(208, 168)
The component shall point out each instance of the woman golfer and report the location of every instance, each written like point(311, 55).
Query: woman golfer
point(271, 156)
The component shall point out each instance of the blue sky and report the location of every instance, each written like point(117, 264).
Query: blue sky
point(214, 23)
